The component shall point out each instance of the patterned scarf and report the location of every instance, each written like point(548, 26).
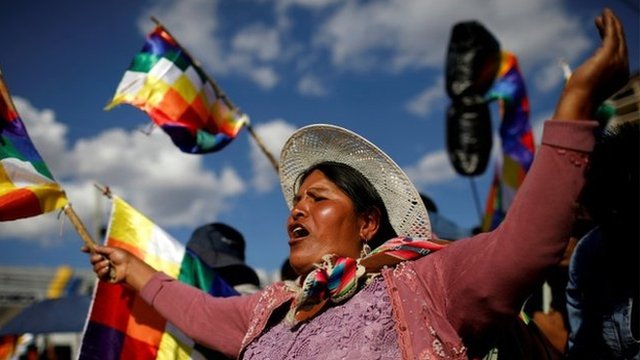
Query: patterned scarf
point(338, 278)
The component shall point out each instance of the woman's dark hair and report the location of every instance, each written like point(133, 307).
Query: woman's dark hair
point(364, 196)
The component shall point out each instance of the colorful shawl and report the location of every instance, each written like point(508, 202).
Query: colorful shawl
point(338, 278)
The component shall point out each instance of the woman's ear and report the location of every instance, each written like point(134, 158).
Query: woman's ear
point(370, 224)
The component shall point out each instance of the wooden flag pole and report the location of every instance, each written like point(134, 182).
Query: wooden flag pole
point(80, 228)
point(269, 155)
point(222, 96)
point(105, 190)
point(86, 238)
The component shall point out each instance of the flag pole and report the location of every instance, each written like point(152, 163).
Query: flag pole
point(86, 238)
point(476, 199)
point(105, 190)
point(79, 226)
point(269, 155)
point(222, 96)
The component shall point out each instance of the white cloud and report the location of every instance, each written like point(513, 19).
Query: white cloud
point(171, 187)
point(310, 4)
point(195, 24)
point(433, 168)
point(48, 135)
point(540, 33)
point(415, 33)
point(412, 33)
point(264, 76)
point(273, 134)
point(259, 40)
point(150, 172)
point(44, 230)
point(311, 85)
point(548, 77)
point(421, 104)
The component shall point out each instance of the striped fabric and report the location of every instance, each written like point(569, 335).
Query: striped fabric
point(516, 136)
point(163, 81)
point(120, 324)
point(337, 278)
point(27, 188)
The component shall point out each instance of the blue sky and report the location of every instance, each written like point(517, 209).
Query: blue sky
point(376, 67)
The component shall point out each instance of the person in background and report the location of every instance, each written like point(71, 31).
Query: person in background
point(222, 247)
point(603, 301)
point(373, 284)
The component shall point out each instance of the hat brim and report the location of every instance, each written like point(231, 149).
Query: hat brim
point(212, 258)
point(314, 144)
point(238, 274)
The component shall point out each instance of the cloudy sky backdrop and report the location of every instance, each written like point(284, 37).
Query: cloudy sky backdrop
point(376, 67)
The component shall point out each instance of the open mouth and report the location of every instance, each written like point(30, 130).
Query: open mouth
point(297, 231)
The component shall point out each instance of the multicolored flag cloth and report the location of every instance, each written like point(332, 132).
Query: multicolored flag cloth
point(165, 82)
point(337, 278)
point(517, 140)
point(120, 324)
point(27, 188)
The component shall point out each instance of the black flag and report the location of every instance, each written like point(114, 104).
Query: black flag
point(469, 137)
point(473, 60)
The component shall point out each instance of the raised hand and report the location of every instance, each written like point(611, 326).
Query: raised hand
point(118, 265)
point(598, 77)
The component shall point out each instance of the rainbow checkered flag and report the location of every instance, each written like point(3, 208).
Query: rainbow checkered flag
point(27, 188)
point(165, 82)
point(121, 325)
point(518, 148)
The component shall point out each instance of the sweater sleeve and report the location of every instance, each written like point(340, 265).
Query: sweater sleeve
point(219, 323)
point(485, 279)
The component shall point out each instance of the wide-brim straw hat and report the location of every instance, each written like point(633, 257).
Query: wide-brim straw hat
point(314, 144)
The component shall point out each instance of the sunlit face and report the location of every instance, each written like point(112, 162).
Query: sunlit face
point(323, 221)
